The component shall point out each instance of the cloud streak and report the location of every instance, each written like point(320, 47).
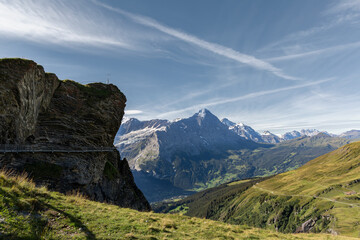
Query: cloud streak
point(338, 13)
point(55, 22)
point(247, 96)
point(343, 6)
point(212, 47)
point(133, 112)
point(315, 52)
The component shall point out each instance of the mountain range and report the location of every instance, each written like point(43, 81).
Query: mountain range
point(249, 133)
point(201, 151)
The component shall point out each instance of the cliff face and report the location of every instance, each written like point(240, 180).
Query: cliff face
point(25, 91)
point(38, 110)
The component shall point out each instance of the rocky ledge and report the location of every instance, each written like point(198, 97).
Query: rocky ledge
point(41, 111)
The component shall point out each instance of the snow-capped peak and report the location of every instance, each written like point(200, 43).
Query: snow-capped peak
point(202, 113)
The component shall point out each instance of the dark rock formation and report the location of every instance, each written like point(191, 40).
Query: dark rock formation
point(25, 91)
point(39, 110)
point(306, 227)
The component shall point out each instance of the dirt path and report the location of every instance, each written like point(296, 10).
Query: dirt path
point(324, 198)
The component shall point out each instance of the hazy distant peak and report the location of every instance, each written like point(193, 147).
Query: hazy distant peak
point(301, 133)
point(309, 132)
point(291, 135)
point(352, 134)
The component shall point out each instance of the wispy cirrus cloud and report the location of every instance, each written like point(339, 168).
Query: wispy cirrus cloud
point(70, 23)
point(236, 99)
point(315, 52)
point(343, 6)
point(335, 15)
point(209, 46)
point(345, 11)
point(58, 22)
point(311, 111)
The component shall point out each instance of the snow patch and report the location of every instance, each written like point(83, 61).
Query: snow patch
point(241, 125)
point(138, 135)
point(177, 120)
point(202, 113)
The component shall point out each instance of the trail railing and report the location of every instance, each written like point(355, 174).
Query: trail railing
point(13, 148)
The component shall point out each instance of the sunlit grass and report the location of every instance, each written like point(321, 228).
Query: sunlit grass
point(320, 186)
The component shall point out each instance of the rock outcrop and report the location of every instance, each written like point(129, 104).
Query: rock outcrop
point(39, 110)
point(306, 227)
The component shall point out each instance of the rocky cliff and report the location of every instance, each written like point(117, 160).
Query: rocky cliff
point(39, 110)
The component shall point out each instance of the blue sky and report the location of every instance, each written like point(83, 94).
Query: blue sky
point(275, 65)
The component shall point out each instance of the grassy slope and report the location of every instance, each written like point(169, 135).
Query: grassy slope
point(27, 212)
point(316, 191)
point(205, 204)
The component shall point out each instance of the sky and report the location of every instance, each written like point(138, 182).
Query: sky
point(274, 65)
